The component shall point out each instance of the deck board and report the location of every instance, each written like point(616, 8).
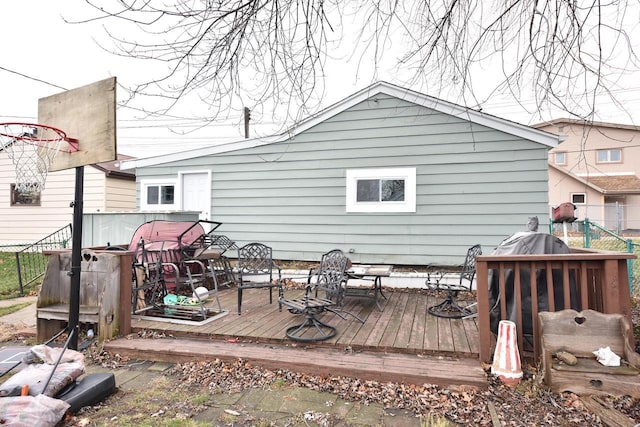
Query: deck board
point(403, 327)
point(403, 334)
point(407, 368)
point(397, 344)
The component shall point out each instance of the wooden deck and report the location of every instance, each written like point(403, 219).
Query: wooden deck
point(403, 327)
point(402, 343)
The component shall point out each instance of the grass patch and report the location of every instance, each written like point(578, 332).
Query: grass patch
point(13, 308)
point(9, 282)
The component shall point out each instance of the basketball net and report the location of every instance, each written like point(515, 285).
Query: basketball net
point(32, 149)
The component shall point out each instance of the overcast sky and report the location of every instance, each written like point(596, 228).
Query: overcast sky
point(42, 55)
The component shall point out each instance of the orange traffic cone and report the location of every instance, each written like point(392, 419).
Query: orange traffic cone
point(506, 358)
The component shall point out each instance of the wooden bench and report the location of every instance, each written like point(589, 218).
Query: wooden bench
point(582, 333)
point(101, 299)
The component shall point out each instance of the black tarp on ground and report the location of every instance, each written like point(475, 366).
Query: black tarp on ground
point(522, 244)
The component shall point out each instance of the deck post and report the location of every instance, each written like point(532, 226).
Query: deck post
point(484, 327)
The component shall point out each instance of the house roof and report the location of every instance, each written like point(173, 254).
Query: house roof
point(606, 184)
point(576, 177)
point(583, 122)
point(385, 88)
point(111, 168)
point(616, 183)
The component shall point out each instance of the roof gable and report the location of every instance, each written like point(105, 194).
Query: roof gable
point(426, 101)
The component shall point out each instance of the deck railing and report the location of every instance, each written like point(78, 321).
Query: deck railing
point(600, 278)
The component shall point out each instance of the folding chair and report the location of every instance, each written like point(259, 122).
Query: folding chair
point(451, 308)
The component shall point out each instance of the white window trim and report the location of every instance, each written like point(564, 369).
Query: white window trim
point(578, 194)
point(159, 207)
point(555, 157)
point(407, 174)
point(609, 151)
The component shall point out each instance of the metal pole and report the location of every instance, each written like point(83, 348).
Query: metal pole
point(76, 259)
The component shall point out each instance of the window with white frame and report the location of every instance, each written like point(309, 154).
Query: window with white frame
point(24, 199)
point(158, 195)
point(381, 190)
point(609, 156)
point(560, 158)
point(578, 198)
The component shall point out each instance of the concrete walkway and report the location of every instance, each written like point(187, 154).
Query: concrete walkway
point(281, 405)
point(25, 316)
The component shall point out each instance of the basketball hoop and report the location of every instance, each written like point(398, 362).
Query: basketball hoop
point(32, 148)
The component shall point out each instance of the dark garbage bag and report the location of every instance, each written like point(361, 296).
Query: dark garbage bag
point(522, 244)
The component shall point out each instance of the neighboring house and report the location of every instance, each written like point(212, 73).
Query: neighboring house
point(597, 168)
point(29, 219)
point(388, 175)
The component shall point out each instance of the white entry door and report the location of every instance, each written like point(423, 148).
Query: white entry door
point(196, 193)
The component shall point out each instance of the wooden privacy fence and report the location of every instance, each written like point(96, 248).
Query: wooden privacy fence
point(587, 278)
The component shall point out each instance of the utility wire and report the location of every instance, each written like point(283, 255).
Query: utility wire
point(32, 78)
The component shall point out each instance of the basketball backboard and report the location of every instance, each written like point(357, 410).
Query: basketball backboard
point(88, 114)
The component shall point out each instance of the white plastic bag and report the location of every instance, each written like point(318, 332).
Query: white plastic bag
point(607, 357)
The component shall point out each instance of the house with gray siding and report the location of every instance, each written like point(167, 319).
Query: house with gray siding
point(387, 174)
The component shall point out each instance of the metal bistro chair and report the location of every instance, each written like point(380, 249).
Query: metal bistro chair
point(256, 270)
point(330, 277)
point(149, 287)
point(450, 308)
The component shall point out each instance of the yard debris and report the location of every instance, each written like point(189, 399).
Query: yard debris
point(526, 404)
point(567, 358)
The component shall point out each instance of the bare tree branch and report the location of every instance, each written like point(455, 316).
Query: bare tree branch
point(273, 54)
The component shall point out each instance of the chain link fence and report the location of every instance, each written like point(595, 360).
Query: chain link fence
point(588, 234)
point(622, 219)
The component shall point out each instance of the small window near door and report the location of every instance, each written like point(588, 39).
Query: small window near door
point(578, 198)
point(158, 196)
point(609, 156)
point(381, 190)
point(24, 199)
point(560, 158)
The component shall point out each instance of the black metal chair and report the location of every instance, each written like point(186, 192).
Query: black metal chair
point(149, 287)
point(256, 269)
point(331, 278)
point(312, 328)
point(451, 308)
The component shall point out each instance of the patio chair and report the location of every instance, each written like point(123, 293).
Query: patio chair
point(312, 328)
point(256, 269)
point(451, 308)
point(331, 276)
point(149, 286)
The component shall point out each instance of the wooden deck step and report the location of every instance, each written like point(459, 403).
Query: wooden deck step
point(374, 366)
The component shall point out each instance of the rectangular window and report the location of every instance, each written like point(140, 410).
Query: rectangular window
point(381, 190)
point(158, 195)
point(578, 198)
point(560, 158)
point(24, 199)
point(609, 156)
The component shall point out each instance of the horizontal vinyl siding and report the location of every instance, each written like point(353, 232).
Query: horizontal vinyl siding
point(28, 224)
point(120, 195)
point(474, 185)
point(94, 190)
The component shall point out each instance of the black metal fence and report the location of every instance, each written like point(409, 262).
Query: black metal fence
point(30, 261)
